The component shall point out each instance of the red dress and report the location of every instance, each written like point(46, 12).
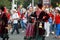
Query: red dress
point(29, 30)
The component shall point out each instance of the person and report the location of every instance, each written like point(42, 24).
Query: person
point(15, 19)
point(51, 21)
point(19, 14)
point(40, 17)
point(47, 27)
point(9, 20)
point(3, 24)
point(30, 24)
point(57, 21)
point(22, 21)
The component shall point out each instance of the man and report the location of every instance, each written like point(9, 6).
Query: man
point(3, 24)
point(15, 19)
point(40, 17)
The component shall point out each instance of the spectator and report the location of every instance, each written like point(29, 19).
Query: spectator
point(57, 21)
point(15, 19)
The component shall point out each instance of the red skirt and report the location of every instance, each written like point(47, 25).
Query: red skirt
point(30, 30)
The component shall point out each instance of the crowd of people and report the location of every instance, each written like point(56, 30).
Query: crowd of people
point(38, 22)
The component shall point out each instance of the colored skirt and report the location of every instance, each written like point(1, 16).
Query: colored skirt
point(30, 30)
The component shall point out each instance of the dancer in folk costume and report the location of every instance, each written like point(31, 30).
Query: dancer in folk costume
point(3, 24)
point(41, 17)
point(30, 25)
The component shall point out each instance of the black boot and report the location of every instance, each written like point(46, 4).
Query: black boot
point(3, 38)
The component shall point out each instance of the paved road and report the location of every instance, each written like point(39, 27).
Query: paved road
point(22, 34)
point(17, 36)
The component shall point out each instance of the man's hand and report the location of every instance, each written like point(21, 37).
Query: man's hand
point(44, 17)
point(32, 17)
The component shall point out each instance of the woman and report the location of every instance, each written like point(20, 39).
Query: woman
point(3, 24)
point(30, 24)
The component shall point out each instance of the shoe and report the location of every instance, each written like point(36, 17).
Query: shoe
point(23, 31)
point(47, 35)
point(11, 33)
point(56, 37)
point(52, 32)
point(18, 33)
point(25, 37)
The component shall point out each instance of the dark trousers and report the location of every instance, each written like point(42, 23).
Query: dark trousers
point(4, 35)
point(15, 27)
point(37, 30)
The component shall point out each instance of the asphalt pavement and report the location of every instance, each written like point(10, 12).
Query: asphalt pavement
point(22, 34)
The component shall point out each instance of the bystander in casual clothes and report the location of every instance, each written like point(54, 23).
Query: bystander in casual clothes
point(51, 21)
point(57, 21)
point(15, 19)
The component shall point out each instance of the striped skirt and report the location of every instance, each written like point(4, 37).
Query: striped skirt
point(30, 30)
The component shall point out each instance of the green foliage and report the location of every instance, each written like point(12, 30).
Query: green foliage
point(25, 3)
point(53, 2)
point(36, 1)
point(6, 3)
point(19, 2)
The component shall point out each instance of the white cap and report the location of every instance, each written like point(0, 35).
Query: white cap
point(57, 8)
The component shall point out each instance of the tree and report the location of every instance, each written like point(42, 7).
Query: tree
point(6, 3)
point(20, 2)
point(53, 2)
point(25, 3)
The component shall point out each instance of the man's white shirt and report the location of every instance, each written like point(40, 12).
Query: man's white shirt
point(15, 16)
